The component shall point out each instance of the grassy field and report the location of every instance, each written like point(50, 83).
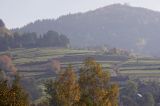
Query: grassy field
point(143, 68)
point(32, 62)
point(25, 59)
point(23, 56)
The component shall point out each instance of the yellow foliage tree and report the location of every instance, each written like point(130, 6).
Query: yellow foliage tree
point(94, 86)
point(92, 89)
point(64, 91)
point(13, 95)
point(18, 96)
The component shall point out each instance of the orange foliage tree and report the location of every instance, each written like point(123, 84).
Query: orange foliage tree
point(55, 66)
point(7, 65)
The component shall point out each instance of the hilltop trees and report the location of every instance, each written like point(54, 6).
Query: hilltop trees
point(92, 88)
point(30, 39)
point(5, 42)
point(53, 39)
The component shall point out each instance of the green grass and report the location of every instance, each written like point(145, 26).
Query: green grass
point(144, 66)
point(23, 56)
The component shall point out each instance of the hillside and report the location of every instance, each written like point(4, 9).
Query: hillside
point(3, 29)
point(117, 25)
point(1, 23)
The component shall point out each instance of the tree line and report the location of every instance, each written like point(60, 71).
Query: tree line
point(31, 39)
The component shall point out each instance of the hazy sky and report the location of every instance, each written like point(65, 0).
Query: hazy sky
point(16, 13)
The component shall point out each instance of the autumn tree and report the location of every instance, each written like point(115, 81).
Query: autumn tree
point(2, 75)
point(64, 91)
point(19, 96)
point(7, 65)
point(4, 93)
point(12, 94)
point(11, 91)
point(55, 66)
point(94, 86)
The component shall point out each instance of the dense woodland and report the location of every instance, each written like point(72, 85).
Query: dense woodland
point(30, 40)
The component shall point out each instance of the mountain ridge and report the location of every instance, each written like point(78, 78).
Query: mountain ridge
point(118, 25)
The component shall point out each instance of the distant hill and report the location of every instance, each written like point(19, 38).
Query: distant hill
point(121, 26)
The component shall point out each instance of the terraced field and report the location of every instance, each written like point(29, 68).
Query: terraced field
point(148, 68)
point(34, 62)
point(33, 65)
point(24, 56)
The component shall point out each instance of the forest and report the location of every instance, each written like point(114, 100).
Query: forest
point(31, 40)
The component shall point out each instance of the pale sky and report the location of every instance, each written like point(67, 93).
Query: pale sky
point(16, 13)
